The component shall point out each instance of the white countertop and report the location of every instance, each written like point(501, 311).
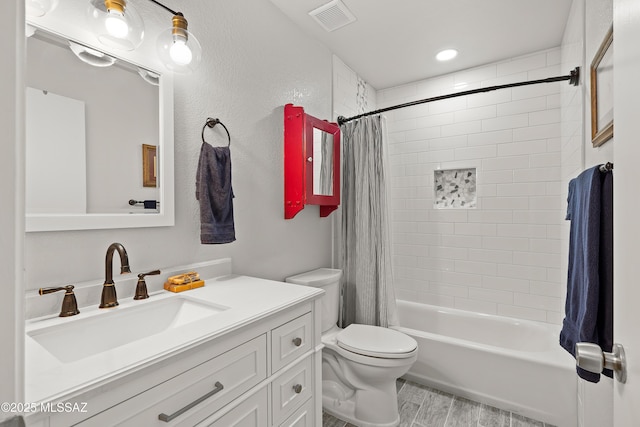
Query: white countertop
point(248, 299)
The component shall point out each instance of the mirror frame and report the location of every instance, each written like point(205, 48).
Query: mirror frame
point(298, 162)
point(166, 213)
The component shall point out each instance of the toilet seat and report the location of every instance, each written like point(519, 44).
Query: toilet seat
point(376, 341)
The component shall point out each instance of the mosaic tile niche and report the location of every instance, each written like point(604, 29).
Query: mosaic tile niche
point(455, 188)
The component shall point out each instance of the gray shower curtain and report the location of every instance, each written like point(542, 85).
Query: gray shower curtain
point(368, 296)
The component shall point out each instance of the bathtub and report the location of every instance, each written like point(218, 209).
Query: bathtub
point(512, 364)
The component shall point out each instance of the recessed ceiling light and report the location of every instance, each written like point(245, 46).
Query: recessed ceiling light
point(446, 55)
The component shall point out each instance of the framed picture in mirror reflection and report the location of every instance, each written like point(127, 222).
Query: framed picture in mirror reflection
point(602, 92)
point(149, 165)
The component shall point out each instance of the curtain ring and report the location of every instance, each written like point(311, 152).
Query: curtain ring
point(211, 123)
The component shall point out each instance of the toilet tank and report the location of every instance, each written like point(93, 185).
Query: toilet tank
point(329, 280)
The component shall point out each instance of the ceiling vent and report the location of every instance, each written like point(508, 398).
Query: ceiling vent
point(333, 15)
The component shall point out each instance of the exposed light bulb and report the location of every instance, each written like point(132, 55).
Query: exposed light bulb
point(178, 49)
point(116, 25)
point(180, 52)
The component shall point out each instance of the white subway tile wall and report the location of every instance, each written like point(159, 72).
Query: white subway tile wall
point(346, 91)
point(572, 140)
point(504, 257)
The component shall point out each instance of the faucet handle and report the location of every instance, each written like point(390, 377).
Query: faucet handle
point(69, 303)
point(151, 273)
point(141, 287)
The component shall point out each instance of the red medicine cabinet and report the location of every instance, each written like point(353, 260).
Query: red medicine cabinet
point(311, 162)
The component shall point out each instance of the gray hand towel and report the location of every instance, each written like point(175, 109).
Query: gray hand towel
point(214, 192)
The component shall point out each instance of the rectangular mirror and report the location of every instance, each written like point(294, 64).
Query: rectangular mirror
point(86, 126)
point(322, 163)
point(322, 141)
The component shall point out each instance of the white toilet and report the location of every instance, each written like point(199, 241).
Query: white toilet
point(360, 364)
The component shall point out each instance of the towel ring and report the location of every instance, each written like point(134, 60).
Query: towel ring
point(211, 123)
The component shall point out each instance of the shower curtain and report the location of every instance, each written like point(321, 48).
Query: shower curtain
point(368, 296)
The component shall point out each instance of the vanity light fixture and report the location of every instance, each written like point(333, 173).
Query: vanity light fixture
point(39, 8)
point(149, 76)
point(117, 23)
point(446, 55)
point(91, 56)
point(179, 49)
point(119, 26)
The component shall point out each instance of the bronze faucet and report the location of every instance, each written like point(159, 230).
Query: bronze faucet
point(69, 303)
point(141, 286)
point(109, 298)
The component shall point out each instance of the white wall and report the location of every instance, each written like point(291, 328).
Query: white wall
point(254, 61)
point(501, 258)
point(12, 213)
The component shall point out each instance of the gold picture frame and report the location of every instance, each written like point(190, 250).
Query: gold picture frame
point(602, 92)
point(149, 166)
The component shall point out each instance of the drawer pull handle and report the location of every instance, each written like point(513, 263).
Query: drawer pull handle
point(166, 418)
point(297, 388)
point(297, 342)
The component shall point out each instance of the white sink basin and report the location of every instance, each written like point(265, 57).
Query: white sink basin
point(76, 339)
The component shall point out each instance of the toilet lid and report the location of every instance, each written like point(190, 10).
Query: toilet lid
point(376, 341)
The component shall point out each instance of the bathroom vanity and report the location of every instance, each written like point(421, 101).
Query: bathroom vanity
point(239, 351)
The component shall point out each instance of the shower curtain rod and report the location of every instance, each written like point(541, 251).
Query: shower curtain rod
point(573, 77)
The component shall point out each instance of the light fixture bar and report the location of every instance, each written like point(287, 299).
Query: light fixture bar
point(164, 7)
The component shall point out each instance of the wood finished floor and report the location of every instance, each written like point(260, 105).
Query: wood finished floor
point(421, 406)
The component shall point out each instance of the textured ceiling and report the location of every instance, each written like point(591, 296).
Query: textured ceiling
point(395, 42)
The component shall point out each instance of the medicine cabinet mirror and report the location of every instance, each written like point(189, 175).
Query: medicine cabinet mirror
point(86, 127)
point(312, 162)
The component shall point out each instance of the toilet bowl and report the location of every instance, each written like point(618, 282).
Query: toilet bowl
point(360, 363)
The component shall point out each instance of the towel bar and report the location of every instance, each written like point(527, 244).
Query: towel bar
point(148, 204)
point(607, 167)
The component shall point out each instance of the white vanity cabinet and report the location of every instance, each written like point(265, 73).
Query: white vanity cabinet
point(265, 373)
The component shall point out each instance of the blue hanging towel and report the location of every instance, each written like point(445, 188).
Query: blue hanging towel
point(214, 192)
point(589, 303)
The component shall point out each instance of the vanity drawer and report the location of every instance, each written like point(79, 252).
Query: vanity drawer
point(290, 341)
point(250, 413)
point(303, 417)
point(195, 394)
point(291, 389)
